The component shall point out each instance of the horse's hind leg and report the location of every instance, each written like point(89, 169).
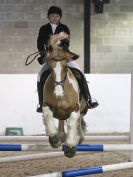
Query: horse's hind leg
point(80, 130)
point(61, 131)
point(50, 127)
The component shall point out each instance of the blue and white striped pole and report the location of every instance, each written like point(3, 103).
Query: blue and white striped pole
point(102, 147)
point(90, 171)
point(97, 170)
point(11, 147)
point(81, 147)
point(23, 147)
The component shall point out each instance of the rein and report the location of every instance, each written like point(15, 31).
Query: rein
point(27, 63)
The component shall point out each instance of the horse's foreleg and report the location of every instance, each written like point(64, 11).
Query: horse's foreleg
point(50, 127)
point(73, 134)
point(48, 121)
point(61, 130)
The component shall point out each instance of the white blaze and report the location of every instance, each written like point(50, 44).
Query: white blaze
point(58, 89)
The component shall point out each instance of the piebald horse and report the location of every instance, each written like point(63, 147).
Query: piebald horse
point(61, 99)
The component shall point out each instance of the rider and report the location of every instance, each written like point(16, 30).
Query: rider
point(54, 27)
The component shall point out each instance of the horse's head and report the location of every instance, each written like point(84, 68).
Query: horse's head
point(58, 48)
point(57, 41)
point(57, 57)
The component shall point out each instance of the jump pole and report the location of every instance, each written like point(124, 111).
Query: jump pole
point(23, 147)
point(90, 171)
point(31, 157)
point(45, 138)
point(81, 147)
point(103, 147)
point(34, 156)
point(131, 115)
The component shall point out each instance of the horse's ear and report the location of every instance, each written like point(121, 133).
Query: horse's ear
point(71, 56)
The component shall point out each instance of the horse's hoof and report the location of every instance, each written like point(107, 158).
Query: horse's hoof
point(69, 152)
point(55, 141)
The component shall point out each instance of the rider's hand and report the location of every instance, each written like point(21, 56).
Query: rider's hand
point(41, 59)
point(42, 53)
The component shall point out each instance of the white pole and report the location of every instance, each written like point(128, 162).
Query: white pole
point(118, 147)
point(23, 138)
point(45, 138)
point(107, 138)
point(131, 116)
point(118, 166)
point(34, 156)
point(31, 157)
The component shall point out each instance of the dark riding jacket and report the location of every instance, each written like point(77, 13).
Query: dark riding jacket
point(45, 32)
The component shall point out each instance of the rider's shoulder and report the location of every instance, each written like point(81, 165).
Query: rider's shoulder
point(63, 25)
point(44, 27)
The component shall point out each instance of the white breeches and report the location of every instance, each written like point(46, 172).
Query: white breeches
point(73, 64)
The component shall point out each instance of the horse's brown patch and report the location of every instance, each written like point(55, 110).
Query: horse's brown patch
point(50, 49)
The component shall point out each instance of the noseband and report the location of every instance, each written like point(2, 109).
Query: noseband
point(61, 82)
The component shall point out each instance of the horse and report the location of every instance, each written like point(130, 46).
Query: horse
point(61, 99)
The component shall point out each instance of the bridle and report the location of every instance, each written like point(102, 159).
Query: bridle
point(35, 55)
point(62, 81)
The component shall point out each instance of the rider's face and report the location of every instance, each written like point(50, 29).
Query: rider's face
point(54, 18)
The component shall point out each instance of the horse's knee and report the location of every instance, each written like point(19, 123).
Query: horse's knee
point(73, 135)
point(49, 122)
point(73, 120)
point(47, 113)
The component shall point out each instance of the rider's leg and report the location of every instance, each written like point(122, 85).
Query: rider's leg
point(73, 64)
point(84, 86)
point(42, 77)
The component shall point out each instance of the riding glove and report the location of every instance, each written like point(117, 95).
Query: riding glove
point(41, 59)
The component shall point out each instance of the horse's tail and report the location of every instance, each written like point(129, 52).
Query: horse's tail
point(83, 125)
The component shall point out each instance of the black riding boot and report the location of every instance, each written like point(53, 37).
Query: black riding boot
point(84, 88)
point(40, 96)
point(40, 85)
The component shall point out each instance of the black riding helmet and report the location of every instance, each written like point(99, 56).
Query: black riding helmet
point(54, 10)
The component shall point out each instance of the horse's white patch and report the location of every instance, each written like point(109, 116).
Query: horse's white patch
point(73, 137)
point(58, 89)
point(49, 122)
point(48, 54)
point(58, 42)
point(74, 83)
